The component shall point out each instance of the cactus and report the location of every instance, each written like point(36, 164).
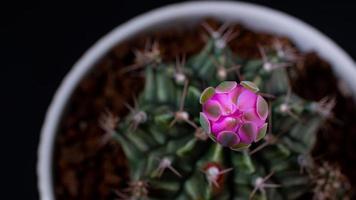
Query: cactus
point(261, 132)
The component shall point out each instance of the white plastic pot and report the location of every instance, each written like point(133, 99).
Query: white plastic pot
point(183, 14)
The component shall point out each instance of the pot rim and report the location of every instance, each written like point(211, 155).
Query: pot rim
point(256, 17)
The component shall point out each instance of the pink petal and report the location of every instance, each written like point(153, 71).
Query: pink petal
point(204, 122)
point(206, 95)
point(247, 133)
point(228, 138)
point(225, 124)
point(246, 100)
point(227, 106)
point(237, 114)
point(226, 87)
point(261, 132)
point(262, 107)
point(251, 115)
point(212, 110)
point(235, 93)
point(250, 86)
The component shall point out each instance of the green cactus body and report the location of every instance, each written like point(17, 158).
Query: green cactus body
point(174, 159)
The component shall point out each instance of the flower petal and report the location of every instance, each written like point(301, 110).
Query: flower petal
point(247, 133)
point(227, 106)
point(261, 132)
point(235, 93)
point(212, 110)
point(225, 124)
point(250, 85)
point(261, 107)
point(226, 86)
point(228, 138)
point(246, 100)
point(204, 122)
point(206, 94)
point(252, 117)
point(240, 146)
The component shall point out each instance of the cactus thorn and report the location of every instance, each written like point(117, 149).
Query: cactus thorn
point(268, 65)
point(222, 71)
point(201, 134)
point(222, 36)
point(179, 75)
point(213, 33)
point(136, 190)
point(181, 114)
point(220, 67)
point(270, 139)
point(213, 174)
point(266, 95)
point(223, 28)
point(137, 116)
point(285, 52)
point(166, 163)
point(230, 35)
point(150, 55)
point(108, 122)
point(325, 106)
point(285, 106)
point(261, 185)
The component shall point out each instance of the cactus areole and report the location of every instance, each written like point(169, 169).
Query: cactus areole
point(233, 114)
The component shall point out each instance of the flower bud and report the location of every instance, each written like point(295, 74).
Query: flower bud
point(234, 115)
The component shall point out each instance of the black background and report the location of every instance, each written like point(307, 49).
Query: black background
point(40, 41)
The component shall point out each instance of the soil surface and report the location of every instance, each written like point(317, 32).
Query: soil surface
point(86, 169)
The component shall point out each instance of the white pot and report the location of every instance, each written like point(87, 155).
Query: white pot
point(255, 17)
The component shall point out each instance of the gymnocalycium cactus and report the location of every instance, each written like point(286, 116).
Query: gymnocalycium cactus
point(261, 132)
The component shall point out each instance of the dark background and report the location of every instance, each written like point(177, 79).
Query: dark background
point(40, 41)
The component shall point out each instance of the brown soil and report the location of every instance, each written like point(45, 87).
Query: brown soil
point(84, 169)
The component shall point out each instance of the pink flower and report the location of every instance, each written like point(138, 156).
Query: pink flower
point(234, 115)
